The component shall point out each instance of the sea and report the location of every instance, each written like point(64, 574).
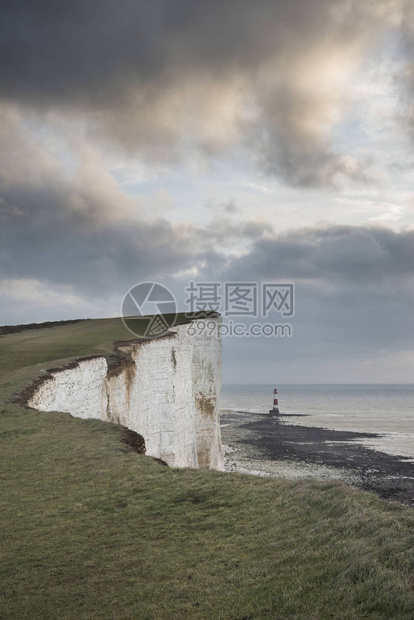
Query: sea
point(386, 410)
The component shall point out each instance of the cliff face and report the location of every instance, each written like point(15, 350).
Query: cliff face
point(166, 390)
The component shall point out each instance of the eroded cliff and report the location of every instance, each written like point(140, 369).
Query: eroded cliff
point(165, 389)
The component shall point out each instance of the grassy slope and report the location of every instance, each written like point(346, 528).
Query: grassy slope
point(92, 531)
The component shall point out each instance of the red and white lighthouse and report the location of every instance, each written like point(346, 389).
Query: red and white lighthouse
point(275, 409)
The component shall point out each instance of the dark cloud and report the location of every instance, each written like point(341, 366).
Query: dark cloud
point(354, 254)
point(90, 53)
point(354, 284)
point(64, 253)
point(159, 78)
point(354, 300)
point(405, 78)
point(150, 73)
point(354, 317)
point(44, 237)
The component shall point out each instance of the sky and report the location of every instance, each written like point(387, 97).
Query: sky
point(172, 141)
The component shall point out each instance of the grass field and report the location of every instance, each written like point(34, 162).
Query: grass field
point(90, 530)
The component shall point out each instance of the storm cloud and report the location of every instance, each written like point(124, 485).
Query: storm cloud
point(178, 140)
point(359, 255)
point(354, 296)
point(155, 76)
point(354, 284)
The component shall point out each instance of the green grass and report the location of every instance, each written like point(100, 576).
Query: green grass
point(90, 530)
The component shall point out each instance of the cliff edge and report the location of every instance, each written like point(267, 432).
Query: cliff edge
point(166, 389)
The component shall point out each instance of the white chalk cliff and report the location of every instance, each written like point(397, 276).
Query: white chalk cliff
point(165, 389)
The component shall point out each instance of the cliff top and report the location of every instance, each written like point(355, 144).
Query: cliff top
point(57, 343)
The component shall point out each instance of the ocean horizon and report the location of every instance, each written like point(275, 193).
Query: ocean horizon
point(384, 409)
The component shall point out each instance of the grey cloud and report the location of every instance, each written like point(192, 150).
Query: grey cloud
point(90, 52)
point(148, 73)
point(356, 254)
point(227, 207)
point(82, 230)
point(354, 294)
point(155, 76)
point(55, 243)
point(354, 285)
point(309, 163)
point(404, 80)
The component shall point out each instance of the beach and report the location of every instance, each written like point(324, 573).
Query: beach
point(283, 446)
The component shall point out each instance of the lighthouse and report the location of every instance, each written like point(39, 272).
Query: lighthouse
point(275, 409)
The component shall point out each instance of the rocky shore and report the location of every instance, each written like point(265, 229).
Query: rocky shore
point(256, 443)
